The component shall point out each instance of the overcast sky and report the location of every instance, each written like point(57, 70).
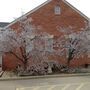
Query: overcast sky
point(12, 9)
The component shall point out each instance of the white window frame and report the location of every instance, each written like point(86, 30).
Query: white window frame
point(48, 45)
point(57, 10)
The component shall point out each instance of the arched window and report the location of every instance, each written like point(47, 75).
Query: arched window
point(57, 10)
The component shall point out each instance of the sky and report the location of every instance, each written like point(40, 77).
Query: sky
point(12, 9)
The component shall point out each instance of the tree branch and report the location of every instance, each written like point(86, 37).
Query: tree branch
point(16, 56)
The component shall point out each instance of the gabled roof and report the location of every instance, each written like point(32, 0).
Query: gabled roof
point(3, 24)
point(48, 1)
point(76, 9)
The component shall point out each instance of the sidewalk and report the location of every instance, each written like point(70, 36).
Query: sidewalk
point(44, 76)
point(1, 72)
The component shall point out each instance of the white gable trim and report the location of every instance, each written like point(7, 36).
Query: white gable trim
point(79, 12)
point(32, 11)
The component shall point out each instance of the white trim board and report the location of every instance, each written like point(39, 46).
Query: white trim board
point(75, 9)
point(32, 11)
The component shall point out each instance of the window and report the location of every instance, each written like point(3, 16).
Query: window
point(30, 46)
point(57, 10)
point(49, 45)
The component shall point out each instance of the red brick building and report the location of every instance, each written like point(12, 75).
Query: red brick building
point(51, 15)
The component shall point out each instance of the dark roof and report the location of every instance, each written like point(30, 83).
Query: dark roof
point(3, 24)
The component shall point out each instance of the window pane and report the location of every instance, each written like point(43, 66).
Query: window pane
point(57, 10)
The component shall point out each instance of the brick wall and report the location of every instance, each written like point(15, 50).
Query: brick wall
point(45, 17)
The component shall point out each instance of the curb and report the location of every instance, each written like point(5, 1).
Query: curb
point(45, 76)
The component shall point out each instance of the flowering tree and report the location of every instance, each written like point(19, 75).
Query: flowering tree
point(42, 49)
point(73, 44)
point(26, 43)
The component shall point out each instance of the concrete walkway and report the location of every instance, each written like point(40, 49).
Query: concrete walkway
point(69, 86)
point(56, 83)
point(43, 76)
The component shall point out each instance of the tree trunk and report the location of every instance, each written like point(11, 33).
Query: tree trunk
point(25, 66)
point(68, 64)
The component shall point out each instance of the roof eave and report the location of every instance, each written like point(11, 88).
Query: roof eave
point(46, 2)
point(32, 11)
point(79, 12)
